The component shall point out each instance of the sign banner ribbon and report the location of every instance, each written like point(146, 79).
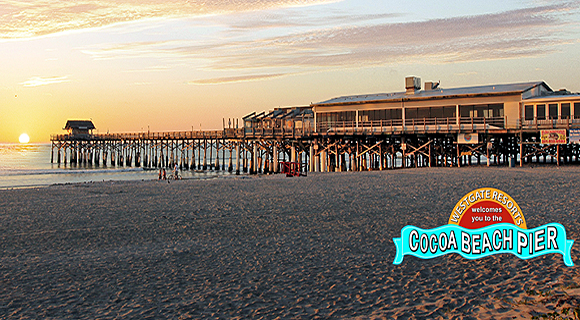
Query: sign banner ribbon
point(482, 242)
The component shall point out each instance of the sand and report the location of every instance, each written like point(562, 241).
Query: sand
point(275, 247)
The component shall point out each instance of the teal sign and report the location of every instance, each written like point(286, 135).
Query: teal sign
point(482, 242)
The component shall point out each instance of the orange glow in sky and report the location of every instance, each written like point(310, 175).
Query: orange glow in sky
point(176, 65)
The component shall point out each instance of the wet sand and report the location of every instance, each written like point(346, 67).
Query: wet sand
point(270, 246)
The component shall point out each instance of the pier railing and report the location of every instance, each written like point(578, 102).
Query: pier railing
point(281, 132)
point(535, 124)
point(411, 125)
point(171, 135)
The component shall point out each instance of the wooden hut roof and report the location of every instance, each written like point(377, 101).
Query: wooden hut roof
point(79, 124)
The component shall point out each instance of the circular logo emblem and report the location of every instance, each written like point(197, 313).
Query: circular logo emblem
point(484, 207)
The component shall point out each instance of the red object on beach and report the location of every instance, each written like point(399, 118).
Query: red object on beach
point(292, 169)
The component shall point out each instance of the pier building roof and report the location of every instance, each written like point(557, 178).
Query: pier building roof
point(79, 125)
point(525, 89)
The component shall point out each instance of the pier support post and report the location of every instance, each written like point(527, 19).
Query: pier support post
point(487, 147)
point(430, 155)
point(204, 154)
point(230, 169)
point(238, 157)
point(224, 155)
point(521, 150)
point(217, 156)
point(192, 159)
point(276, 164)
point(244, 160)
point(381, 162)
point(254, 162)
point(458, 155)
point(311, 158)
point(338, 163)
point(317, 163)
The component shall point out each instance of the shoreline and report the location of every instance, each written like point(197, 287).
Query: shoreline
point(212, 174)
point(270, 246)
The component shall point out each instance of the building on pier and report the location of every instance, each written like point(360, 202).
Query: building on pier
point(79, 127)
point(419, 127)
point(434, 109)
point(280, 121)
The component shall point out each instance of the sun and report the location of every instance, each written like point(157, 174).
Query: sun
point(24, 138)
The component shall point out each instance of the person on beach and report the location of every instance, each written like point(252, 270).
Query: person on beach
point(175, 172)
point(160, 174)
point(164, 174)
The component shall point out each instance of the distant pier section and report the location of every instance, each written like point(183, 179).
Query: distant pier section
point(504, 124)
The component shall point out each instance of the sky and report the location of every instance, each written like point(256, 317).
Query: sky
point(134, 65)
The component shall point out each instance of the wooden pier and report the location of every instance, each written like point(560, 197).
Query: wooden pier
point(261, 150)
point(506, 124)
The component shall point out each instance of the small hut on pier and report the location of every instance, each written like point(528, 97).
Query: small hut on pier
point(79, 127)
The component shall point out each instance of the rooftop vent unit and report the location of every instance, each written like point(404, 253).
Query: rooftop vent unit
point(430, 85)
point(412, 84)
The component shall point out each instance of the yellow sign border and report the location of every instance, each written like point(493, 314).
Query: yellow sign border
point(488, 194)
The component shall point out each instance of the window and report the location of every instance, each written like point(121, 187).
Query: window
point(576, 110)
point(391, 114)
point(496, 110)
point(327, 117)
point(529, 112)
point(398, 113)
point(423, 113)
point(466, 111)
point(449, 112)
point(482, 111)
point(377, 115)
point(541, 111)
point(565, 111)
point(553, 111)
point(437, 112)
point(411, 113)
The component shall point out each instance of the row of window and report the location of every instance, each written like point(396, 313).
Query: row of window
point(432, 112)
point(336, 116)
point(482, 111)
point(373, 115)
point(471, 111)
point(551, 111)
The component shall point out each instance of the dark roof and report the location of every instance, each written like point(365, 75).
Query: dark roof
point(439, 93)
point(249, 116)
point(79, 124)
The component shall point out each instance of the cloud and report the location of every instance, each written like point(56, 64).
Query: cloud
point(506, 35)
point(38, 17)
point(38, 81)
point(527, 32)
point(244, 78)
point(465, 74)
point(273, 19)
point(517, 33)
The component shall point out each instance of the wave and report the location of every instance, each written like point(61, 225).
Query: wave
point(69, 171)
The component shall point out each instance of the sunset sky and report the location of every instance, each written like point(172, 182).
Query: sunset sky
point(130, 65)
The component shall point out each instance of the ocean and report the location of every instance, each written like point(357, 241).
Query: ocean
point(28, 165)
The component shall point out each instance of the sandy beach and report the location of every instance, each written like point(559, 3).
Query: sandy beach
point(275, 247)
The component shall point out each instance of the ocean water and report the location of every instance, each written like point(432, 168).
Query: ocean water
point(28, 165)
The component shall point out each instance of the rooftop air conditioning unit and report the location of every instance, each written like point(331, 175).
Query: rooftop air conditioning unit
point(412, 84)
